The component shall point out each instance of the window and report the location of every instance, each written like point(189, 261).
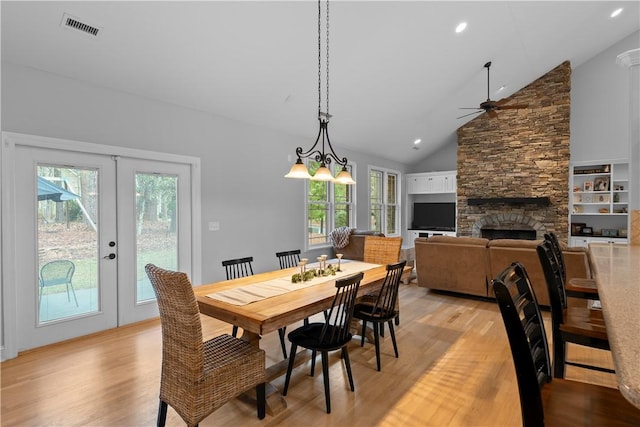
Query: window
point(384, 203)
point(329, 206)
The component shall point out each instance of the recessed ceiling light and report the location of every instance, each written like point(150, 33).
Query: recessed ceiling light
point(417, 141)
point(616, 12)
point(501, 88)
point(461, 26)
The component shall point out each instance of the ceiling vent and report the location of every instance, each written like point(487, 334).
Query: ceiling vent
point(73, 23)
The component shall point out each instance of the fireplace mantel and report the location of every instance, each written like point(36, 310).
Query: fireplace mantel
point(540, 201)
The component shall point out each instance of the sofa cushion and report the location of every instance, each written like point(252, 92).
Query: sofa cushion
point(457, 264)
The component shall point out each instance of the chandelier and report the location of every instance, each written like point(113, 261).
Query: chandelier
point(321, 151)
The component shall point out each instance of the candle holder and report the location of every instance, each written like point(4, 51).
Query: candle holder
point(339, 256)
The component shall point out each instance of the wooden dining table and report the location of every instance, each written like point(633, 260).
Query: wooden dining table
point(270, 314)
point(617, 274)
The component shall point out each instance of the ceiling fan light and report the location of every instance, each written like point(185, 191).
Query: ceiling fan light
point(323, 174)
point(298, 170)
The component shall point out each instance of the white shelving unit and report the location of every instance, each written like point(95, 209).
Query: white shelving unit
point(599, 202)
point(430, 187)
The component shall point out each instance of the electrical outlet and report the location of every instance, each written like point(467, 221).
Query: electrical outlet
point(214, 226)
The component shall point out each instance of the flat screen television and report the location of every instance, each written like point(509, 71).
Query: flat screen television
point(434, 216)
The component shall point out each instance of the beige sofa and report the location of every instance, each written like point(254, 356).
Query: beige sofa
point(467, 265)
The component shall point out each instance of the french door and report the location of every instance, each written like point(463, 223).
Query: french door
point(86, 224)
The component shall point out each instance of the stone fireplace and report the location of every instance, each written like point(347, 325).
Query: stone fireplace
point(513, 170)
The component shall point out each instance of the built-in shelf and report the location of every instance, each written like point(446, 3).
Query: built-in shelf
point(540, 201)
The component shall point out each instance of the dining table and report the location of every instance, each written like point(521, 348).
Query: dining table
point(617, 275)
point(265, 302)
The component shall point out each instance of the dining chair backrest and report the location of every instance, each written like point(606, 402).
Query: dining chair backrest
point(555, 282)
point(236, 268)
point(57, 272)
point(182, 345)
point(557, 251)
point(288, 259)
point(382, 250)
point(527, 339)
point(385, 303)
point(338, 317)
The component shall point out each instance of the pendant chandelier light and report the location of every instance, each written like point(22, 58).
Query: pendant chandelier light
point(321, 151)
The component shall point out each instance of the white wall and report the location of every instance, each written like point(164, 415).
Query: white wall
point(600, 105)
point(258, 214)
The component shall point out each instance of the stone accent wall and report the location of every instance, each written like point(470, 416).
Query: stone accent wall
point(521, 153)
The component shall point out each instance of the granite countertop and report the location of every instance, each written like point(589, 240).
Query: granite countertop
point(617, 274)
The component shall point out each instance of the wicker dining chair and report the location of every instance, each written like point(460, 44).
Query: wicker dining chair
point(198, 377)
point(382, 250)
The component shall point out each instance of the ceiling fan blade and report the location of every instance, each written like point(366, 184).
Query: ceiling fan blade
point(492, 114)
point(512, 107)
point(469, 108)
point(470, 114)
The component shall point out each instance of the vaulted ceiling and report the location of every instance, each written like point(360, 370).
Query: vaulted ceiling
point(398, 70)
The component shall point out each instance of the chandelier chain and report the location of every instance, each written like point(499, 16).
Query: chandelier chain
point(319, 62)
point(328, 60)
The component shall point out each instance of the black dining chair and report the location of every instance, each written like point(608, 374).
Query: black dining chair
point(236, 268)
point(575, 287)
point(331, 335)
point(287, 259)
point(545, 400)
point(383, 310)
point(577, 325)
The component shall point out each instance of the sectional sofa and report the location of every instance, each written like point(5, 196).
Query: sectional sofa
point(466, 265)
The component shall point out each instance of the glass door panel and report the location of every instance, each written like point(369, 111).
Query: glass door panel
point(67, 242)
point(156, 228)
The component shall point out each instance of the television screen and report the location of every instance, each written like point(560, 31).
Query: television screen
point(434, 216)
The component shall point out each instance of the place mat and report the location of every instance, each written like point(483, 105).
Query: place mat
point(271, 288)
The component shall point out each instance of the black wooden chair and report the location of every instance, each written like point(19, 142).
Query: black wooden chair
point(383, 310)
point(577, 325)
point(543, 401)
point(288, 259)
point(575, 287)
point(331, 335)
point(236, 268)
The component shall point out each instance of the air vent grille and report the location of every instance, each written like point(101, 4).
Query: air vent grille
point(72, 22)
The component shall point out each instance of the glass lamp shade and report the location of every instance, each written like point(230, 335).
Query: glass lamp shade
point(344, 177)
point(322, 174)
point(298, 170)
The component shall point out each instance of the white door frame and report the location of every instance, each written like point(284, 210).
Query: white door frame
point(8, 276)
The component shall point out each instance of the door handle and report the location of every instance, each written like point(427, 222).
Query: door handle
point(110, 256)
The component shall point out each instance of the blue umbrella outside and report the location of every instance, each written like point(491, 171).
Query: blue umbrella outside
point(49, 191)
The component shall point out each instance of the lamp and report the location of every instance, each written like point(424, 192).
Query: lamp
point(321, 151)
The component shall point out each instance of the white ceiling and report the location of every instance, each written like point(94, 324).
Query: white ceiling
point(398, 70)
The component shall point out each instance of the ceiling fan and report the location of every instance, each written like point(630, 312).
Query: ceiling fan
point(491, 107)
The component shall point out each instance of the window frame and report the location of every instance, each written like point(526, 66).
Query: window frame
point(331, 206)
point(385, 206)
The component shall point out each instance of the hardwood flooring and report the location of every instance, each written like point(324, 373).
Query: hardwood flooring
point(455, 369)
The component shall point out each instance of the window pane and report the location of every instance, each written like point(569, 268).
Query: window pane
point(376, 218)
point(342, 192)
point(391, 188)
point(391, 220)
point(317, 223)
point(342, 215)
point(318, 190)
point(375, 180)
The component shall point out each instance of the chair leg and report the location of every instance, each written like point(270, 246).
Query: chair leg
point(559, 354)
point(377, 342)
point(162, 414)
point(74, 293)
point(347, 365)
point(398, 319)
point(292, 358)
point(261, 397)
point(364, 328)
point(325, 377)
point(393, 337)
point(234, 331)
point(381, 325)
point(281, 332)
point(313, 362)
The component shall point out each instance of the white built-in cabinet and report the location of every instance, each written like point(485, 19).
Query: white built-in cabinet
point(431, 182)
point(430, 187)
point(599, 202)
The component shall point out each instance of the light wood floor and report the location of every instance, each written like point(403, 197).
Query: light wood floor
point(455, 369)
